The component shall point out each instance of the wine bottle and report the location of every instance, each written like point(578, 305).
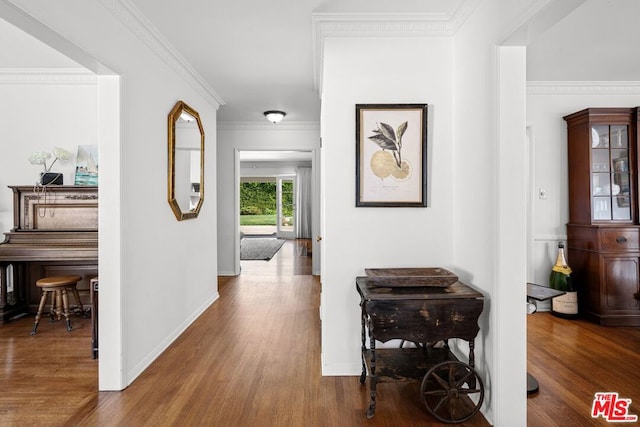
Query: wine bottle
point(560, 279)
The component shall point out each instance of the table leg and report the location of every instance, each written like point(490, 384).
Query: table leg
point(371, 411)
point(363, 348)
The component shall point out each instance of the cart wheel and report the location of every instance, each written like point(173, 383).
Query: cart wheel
point(449, 390)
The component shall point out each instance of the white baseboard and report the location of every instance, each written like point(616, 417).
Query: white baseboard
point(226, 273)
point(160, 348)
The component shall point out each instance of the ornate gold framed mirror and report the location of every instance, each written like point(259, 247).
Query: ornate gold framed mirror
point(186, 161)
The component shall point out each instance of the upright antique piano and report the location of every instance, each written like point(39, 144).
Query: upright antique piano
point(55, 232)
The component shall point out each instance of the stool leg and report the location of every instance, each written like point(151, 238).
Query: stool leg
point(43, 301)
point(52, 312)
point(59, 305)
point(76, 295)
point(65, 308)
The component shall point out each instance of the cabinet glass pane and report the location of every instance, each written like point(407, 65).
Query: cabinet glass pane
point(622, 192)
point(619, 137)
point(620, 160)
point(600, 160)
point(601, 184)
point(621, 208)
point(602, 208)
point(600, 137)
point(621, 184)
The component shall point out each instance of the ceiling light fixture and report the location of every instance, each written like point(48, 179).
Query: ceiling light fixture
point(274, 116)
point(186, 117)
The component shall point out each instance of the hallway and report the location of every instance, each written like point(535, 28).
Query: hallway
point(291, 259)
point(251, 359)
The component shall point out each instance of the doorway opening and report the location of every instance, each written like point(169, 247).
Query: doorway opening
point(275, 203)
point(258, 207)
point(268, 206)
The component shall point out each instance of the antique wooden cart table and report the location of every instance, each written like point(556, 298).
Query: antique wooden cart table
point(427, 316)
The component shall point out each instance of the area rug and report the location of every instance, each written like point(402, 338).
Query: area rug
point(259, 248)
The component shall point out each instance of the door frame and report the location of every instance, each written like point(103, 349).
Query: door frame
point(316, 214)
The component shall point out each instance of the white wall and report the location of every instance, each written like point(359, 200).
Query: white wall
point(490, 197)
point(40, 110)
point(418, 70)
point(233, 137)
point(547, 104)
point(162, 273)
point(475, 223)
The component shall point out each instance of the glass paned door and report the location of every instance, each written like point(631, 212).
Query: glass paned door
point(610, 173)
point(286, 207)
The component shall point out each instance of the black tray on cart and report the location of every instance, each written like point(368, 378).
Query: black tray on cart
point(409, 277)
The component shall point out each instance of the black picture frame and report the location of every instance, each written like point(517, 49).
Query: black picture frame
point(391, 155)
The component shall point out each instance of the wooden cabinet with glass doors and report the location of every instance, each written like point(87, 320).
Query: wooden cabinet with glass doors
point(603, 233)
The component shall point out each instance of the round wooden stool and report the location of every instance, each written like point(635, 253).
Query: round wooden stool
point(56, 303)
point(57, 286)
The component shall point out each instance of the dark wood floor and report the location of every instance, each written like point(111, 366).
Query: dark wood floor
point(294, 258)
point(574, 359)
point(253, 359)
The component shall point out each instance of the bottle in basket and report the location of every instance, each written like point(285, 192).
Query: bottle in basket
point(565, 305)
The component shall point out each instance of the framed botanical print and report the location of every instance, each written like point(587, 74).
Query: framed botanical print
point(391, 155)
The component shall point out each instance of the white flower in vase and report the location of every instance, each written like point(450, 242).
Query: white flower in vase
point(41, 158)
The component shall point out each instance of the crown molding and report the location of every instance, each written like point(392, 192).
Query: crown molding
point(127, 13)
point(263, 126)
point(381, 24)
point(47, 76)
point(325, 25)
point(583, 88)
point(460, 15)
